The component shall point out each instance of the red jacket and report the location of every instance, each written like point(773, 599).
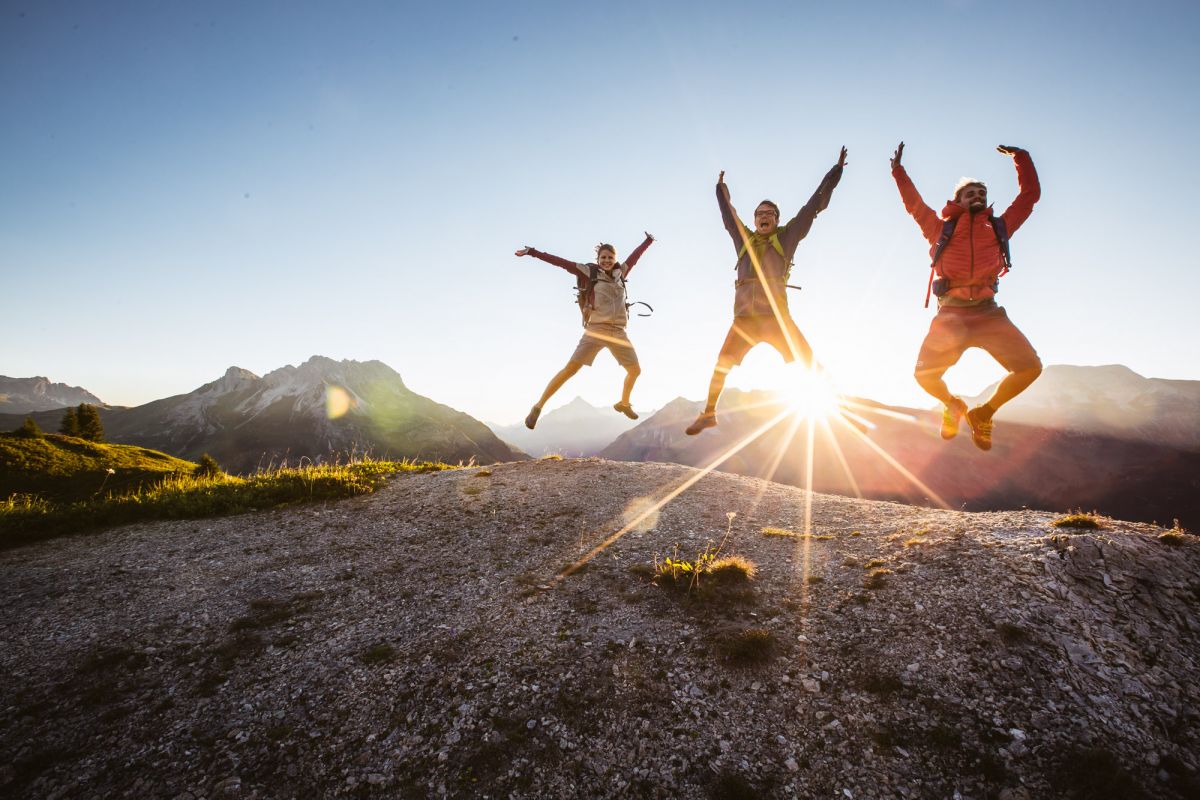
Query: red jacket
point(972, 256)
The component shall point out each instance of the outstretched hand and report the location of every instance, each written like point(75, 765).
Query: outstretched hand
point(897, 155)
point(1009, 150)
point(842, 158)
point(721, 187)
point(649, 235)
point(524, 251)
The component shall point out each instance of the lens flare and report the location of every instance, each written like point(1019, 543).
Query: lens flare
point(338, 401)
point(641, 514)
point(809, 392)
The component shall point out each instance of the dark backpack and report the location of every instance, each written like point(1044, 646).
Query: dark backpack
point(942, 285)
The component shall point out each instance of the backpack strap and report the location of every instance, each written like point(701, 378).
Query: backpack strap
point(585, 291)
point(775, 243)
point(1001, 229)
point(935, 252)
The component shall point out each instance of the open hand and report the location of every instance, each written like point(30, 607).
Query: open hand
point(721, 177)
point(1009, 150)
point(842, 158)
point(897, 155)
point(524, 251)
point(649, 235)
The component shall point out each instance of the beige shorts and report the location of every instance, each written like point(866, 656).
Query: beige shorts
point(598, 336)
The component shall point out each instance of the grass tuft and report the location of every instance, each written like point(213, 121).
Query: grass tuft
point(876, 578)
point(1078, 519)
point(1175, 537)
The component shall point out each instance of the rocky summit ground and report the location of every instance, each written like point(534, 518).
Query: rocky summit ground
point(416, 643)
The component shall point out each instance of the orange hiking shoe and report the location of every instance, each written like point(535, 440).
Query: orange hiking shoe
point(707, 419)
point(625, 409)
point(980, 420)
point(951, 415)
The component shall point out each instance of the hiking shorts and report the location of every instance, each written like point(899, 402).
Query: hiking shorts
point(597, 336)
point(746, 332)
point(957, 328)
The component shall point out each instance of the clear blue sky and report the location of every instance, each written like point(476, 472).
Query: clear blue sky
point(186, 187)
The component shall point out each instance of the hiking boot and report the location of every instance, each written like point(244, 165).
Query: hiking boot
point(707, 419)
point(625, 409)
point(951, 415)
point(531, 420)
point(980, 421)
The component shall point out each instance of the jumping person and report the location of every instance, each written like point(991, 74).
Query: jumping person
point(760, 307)
point(605, 314)
point(970, 253)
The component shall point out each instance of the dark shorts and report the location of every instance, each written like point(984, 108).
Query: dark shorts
point(746, 332)
point(955, 329)
point(601, 335)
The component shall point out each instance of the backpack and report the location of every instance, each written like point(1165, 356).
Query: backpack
point(942, 285)
point(585, 294)
point(787, 272)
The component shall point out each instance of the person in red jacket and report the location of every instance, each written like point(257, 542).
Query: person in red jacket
point(606, 314)
point(968, 267)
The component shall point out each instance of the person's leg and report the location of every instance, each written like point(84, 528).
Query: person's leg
point(790, 343)
point(631, 375)
point(585, 353)
point(556, 383)
point(943, 346)
point(1004, 342)
point(738, 341)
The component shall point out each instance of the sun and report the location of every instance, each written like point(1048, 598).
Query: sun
point(808, 392)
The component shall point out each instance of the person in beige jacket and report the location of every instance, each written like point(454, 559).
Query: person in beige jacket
point(605, 314)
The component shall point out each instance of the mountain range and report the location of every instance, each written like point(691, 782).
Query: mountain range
point(903, 458)
point(1110, 400)
point(321, 410)
point(1101, 438)
point(23, 395)
point(576, 429)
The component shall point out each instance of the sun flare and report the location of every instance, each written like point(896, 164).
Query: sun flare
point(809, 393)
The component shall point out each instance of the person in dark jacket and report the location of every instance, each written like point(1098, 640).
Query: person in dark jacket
point(968, 270)
point(760, 306)
point(606, 314)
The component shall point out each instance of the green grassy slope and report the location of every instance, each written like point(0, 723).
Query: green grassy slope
point(63, 468)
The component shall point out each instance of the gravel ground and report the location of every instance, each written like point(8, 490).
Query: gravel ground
point(423, 642)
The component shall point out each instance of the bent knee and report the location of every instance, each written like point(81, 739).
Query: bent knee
point(633, 370)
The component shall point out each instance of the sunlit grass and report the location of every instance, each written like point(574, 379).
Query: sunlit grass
point(25, 518)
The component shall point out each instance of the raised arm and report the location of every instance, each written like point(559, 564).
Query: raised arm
point(570, 266)
point(636, 254)
point(799, 226)
point(929, 222)
point(1031, 190)
point(737, 230)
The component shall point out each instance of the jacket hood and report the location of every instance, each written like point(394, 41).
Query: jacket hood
point(953, 210)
